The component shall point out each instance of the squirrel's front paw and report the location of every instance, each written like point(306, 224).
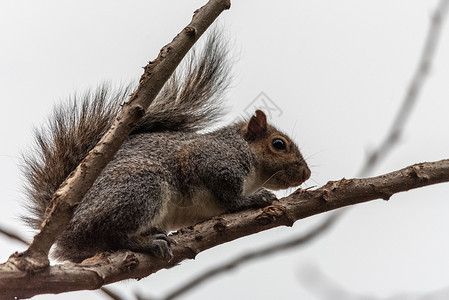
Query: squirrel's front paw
point(264, 197)
point(260, 198)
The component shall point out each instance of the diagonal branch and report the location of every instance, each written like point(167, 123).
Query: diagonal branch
point(72, 190)
point(111, 267)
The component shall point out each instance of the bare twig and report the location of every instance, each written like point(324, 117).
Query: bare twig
point(106, 268)
point(79, 181)
point(111, 294)
point(13, 236)
point(327, 289)
point(413, 90)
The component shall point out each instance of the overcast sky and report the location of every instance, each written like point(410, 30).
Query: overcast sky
point(336, 72)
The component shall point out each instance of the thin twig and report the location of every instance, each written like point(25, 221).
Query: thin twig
point(13, 236)
point(110, 293)
point(327, 289)
point(413, 90)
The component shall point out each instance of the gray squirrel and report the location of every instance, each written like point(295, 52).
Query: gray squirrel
point(167, 174)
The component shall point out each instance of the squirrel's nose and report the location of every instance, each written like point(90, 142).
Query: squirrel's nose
point(306, 173)
point(299, 174)
point(302, 174)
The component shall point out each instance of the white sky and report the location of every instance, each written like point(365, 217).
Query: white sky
point(337, 69)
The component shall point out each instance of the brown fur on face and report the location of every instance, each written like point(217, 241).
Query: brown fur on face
point(280, 163)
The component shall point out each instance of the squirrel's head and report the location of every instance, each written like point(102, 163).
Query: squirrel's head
point(279, 161)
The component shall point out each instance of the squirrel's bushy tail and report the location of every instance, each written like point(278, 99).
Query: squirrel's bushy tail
point(189, 101)
point(192, 98)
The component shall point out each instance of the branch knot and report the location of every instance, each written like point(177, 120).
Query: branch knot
point(270, 214)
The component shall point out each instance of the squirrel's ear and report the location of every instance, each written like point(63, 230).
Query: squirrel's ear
point(257, 125)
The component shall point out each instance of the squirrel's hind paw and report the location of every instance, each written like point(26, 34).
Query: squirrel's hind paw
point(157, 243)
point(160, 245)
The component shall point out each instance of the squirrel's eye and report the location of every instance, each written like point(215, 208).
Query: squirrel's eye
point(279, 144)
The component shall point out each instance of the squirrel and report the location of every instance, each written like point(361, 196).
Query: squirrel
point(169, 173)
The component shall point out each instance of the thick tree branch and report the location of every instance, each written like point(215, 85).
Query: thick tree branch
point(111, 267)
point(72, 190)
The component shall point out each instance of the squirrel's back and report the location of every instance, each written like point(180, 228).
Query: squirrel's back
point(190, 101)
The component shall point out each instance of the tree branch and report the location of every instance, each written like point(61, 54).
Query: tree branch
point(111, 267)
point(72, 190)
